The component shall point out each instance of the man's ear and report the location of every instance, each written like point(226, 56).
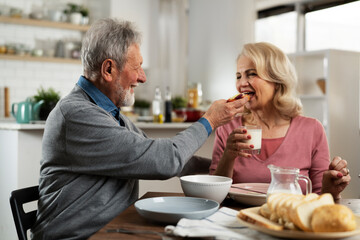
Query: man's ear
point(107, 68)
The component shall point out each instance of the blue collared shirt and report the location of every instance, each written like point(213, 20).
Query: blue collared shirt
point(99, 98)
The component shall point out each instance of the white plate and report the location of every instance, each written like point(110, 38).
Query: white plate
point(249, 193)
point(172, 209)
point(291, 234)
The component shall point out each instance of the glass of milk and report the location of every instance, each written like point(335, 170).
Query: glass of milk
point(255, 133)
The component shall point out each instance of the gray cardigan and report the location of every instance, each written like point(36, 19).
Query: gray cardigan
point(91, 165)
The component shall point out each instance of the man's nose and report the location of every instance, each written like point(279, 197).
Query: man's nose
point(142, 76)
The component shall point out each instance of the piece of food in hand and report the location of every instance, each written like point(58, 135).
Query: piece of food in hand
point(239, 96)
point(333, 218)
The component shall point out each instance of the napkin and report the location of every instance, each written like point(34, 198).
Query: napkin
point(222, 225)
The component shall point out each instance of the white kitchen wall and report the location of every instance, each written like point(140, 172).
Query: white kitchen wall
point(217, 31)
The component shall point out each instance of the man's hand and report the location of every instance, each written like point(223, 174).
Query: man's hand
point(221, 112)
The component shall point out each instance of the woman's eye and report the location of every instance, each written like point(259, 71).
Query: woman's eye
point(252, 74)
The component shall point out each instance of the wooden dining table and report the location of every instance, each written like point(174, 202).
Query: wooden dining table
point(130, 220)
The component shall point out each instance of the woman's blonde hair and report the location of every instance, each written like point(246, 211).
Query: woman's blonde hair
point(273, 65)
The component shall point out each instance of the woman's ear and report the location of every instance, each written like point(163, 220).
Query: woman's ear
point(107, 69)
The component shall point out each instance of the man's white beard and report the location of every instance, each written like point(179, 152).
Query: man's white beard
point(129, 98)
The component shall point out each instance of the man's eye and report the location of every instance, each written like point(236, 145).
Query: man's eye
point(238, 76)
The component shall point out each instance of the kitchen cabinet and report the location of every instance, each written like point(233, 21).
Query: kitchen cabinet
point(337, 108)
point(45, 24)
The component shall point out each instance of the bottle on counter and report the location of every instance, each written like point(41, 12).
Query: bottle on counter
point(194, 95)
point(168, 105)
point(157, 112)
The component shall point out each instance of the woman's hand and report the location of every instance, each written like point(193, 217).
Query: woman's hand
point(236, 142)
point(336, 178)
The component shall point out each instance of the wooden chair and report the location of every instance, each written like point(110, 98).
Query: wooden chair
point(23, 221)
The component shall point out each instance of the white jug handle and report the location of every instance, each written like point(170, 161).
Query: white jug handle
point(308, 183)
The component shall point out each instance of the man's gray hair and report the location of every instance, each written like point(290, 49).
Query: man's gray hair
point(107, 39)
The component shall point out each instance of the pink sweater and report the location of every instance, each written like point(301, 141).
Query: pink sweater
point(304, 146)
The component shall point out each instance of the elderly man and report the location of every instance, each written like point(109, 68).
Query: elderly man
point(93, 155)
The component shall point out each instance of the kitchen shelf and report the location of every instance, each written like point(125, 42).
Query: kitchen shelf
point(43, 23)
point(313, 97)
point(39, 59)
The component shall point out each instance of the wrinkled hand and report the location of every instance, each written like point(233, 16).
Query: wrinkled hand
point(221, 112)
point(336, 178)
point(236, 142)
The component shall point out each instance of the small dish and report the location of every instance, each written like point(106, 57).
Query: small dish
point(172, 209)
point(253, 194)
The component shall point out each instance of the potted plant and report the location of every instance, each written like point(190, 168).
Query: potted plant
point(73, 13)
point(179, 107)
point(85, 15)
point(142, 107)
point(50, 97)
point(178, 102)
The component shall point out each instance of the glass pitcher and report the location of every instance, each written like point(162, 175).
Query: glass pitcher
point(286, 180)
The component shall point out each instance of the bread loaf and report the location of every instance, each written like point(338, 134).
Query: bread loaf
point(304, 211)
point(311, 213)
point(333, 218)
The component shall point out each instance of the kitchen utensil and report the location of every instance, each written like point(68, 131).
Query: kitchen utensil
point(60, 49)
point(286, 180)
point(26, 111)
point(7, 101)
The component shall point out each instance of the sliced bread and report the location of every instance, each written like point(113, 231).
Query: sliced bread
point(303, 212)
point(252, 215)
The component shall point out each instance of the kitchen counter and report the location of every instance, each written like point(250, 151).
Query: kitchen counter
point(39, 125)
point(11, 125)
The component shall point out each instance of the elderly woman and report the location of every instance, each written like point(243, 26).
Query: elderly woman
point(288, 139)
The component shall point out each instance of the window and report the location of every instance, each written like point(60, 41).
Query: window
point(336, 27)
point(326, 24)
point(279, 30)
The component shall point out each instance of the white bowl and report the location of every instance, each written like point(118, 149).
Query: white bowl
point(206, 186)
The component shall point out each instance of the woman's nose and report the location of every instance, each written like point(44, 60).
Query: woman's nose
point(243, 82)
